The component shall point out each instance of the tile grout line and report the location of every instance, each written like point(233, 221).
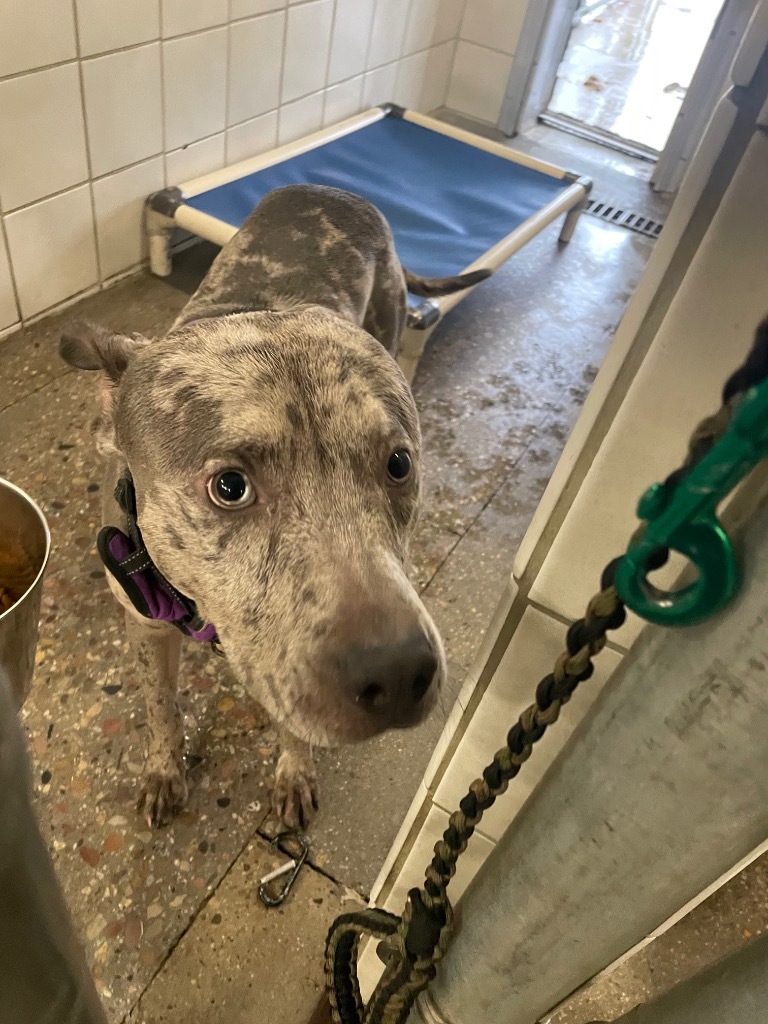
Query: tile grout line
point(31, 394)
point(87, 141)
point(459, 539)
point(203, 904)
point(5, 243)
point(280, 82)
point(456, 40)
point(369, 41)
point(162, 97)
point(401, 57)
point(227, 84)
point(564, 620)
point(323, 872)
point(89, 57)
point(326, 76)
point(60, 306)
point(84, 293)
point(474, 521)
point(159, 154)
point(490, 49)
point(85, 183)
point(258, 833)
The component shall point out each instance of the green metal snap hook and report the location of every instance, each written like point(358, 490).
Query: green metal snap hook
point(684, 519)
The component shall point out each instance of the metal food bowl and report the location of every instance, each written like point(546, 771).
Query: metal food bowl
point(25, 544)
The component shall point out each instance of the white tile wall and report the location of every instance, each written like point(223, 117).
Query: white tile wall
point(495, 24)
point(53, 249)
point(102, 101)
point(422, 78)
point(118, 202)
point(255, 60)
point(252, 137)
point(42, 114)
point(388, 31)
point(196, 159)
point(351, 34)
point(195, 86)
point(431, 22)
point(343, 100)
point(307, 46)
point(34, 33)
point(180, 16)
point(479, 81)
point(109, 24)
point(438, 76)
point(299, 118)
point(411, 74)
point(246, 8)
point(488, 38)
point(9, 313)
point(379, 85)
point(123, 107)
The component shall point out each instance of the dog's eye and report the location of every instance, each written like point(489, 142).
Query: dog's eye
point(231, 489)
point(399, 465)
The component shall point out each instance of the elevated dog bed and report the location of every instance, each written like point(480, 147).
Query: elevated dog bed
point(455, 201)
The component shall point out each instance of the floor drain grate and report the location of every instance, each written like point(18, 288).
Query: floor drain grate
point(624, 218)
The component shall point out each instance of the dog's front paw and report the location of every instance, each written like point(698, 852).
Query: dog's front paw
point(294, 798)
point(163, 795)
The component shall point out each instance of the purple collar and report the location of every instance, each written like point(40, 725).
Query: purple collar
point(150, 593)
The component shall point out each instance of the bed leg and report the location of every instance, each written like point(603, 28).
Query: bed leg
point(159, 231)
point(412, 345)
point(571, 220)
point(572, 217)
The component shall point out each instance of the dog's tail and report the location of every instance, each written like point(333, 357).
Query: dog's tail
point(429, 286)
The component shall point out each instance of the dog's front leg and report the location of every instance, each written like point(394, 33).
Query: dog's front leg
point(157, 649)
point(294, 798)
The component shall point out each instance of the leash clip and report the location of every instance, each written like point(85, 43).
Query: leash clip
point(294, 866)
point(684, 519)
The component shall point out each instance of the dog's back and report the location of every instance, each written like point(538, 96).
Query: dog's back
point(308, 245)
point(311, 245)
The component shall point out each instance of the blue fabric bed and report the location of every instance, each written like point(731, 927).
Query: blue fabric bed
point(447, 202)
point(452, 199)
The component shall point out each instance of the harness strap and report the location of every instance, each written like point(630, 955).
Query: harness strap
point(151, 594)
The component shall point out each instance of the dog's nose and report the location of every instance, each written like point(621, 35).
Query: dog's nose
point(391, 680)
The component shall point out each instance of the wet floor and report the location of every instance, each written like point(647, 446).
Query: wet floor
point(170, 919)
point(628, 66)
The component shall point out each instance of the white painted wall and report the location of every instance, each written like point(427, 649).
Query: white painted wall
point(104, 101)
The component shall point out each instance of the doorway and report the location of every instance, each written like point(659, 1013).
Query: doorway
point(627, 67)
point(641, 76)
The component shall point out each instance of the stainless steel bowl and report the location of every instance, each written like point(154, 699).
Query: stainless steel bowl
point(25, 544)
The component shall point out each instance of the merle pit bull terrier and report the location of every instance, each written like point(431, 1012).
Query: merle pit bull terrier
point(267, 457)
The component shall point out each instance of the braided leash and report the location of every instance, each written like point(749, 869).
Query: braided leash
point(418, 940)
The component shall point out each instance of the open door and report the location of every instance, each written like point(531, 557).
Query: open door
point(545, 38)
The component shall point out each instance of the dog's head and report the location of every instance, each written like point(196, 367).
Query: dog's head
point(276, 458)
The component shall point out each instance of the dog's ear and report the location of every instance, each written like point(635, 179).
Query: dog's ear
point(87, 346)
